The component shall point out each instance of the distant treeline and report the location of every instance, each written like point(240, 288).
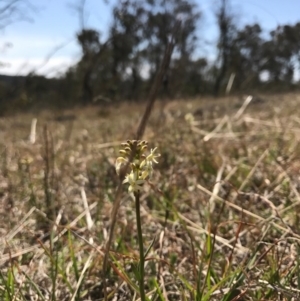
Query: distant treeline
point(123, 66)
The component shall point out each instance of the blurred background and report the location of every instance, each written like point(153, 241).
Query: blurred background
point(58, 54)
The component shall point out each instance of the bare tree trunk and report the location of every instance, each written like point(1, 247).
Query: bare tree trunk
point(223, 22)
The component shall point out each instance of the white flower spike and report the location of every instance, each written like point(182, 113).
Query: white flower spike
point(141, 168)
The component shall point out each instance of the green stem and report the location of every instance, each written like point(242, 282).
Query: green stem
point(141, 246)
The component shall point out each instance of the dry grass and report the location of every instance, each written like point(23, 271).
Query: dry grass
point(223, 206)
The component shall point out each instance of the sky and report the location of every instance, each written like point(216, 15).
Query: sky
point(46, 42)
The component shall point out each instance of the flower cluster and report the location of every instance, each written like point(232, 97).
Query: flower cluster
point(141, 166)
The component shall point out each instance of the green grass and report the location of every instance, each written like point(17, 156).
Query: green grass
point(239, 243)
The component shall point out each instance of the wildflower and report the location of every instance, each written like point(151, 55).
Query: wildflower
point(152, 157)
point(141, 167)
point(134, 182)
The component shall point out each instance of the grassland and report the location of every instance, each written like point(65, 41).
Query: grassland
point(221, 214)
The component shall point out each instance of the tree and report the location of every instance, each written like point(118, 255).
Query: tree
point(138, 37)
point(162, 17)
point(227, 31)
point(126, 34)
point(246, 56)
point(282, 54)
point(89, 41)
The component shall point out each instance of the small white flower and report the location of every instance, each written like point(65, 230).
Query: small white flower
point(152, 156)
point(134, 182)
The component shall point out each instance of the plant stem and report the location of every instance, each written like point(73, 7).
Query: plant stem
point(141, 246)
